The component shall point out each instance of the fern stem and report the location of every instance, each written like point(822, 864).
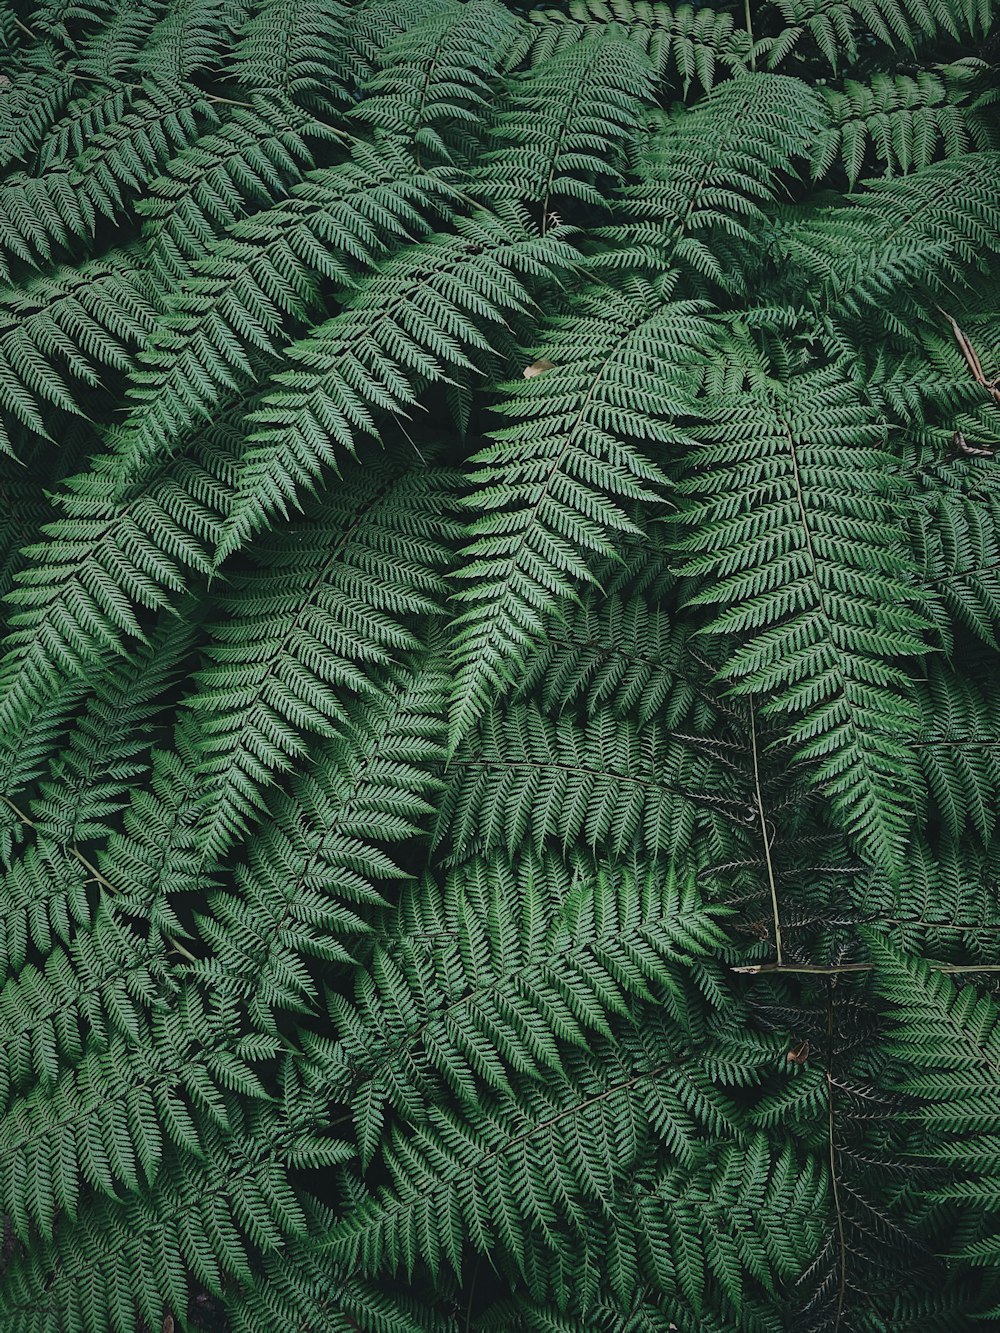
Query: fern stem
point(749, 23)
point(837, 969)
point(834, 1184)
point(472, 1293)
point(767, 841)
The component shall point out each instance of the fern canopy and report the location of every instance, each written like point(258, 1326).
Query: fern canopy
point(499, 616)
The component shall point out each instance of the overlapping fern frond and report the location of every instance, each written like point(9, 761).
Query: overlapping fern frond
point(499, 737)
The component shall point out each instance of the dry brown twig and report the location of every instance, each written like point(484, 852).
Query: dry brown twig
point(992, 387)
point(959, 443)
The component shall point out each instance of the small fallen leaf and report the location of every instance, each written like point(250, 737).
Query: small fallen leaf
point(798, 1055)
point(960, 443)
point(538, 368)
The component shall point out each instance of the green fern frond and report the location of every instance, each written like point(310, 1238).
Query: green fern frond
point(682, 41)
point(104, 752)
point(561, 132)
point(705, 174)
point(330, 605)
point(295, 51)
point(427, 315)
point(106, 563)
point(840, 27)
point(934, 226)
point(956, 538)
point(958, 749)
point(40, 215)
point(204, 1226)
point(68, 326)
point(551, 490)
point(486, 1179)
point(527, 779)
point(106, 1122)
point(44, 900)
point(756, 1209)
point(260, 280)
point(306, 877)
point(490, 975)
point(907, 121)
point(947, 1037)
point(819, 591)
point(432, 88)
point(251, 160)
point(621, 652)
point(443, 907)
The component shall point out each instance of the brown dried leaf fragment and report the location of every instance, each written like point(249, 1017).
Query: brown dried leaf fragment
point(538, 368)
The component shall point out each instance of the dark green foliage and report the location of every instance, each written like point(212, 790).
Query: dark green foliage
point(499, 727)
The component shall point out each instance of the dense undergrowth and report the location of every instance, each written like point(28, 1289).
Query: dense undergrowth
point(499, 698)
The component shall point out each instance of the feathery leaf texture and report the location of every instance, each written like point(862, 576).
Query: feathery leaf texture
point(499, 615)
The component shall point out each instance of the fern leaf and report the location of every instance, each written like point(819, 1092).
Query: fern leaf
point(552, 488)
point(564, 128)
point(424, 316)
point(540, 978)
point(804, 557)
point(259, 281)
point(330, 605)
point(527, 779)
point(433, 85)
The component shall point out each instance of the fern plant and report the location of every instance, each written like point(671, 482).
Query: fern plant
point(499, 748)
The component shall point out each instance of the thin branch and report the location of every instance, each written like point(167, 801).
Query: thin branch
point(764, 834)
point(472, 1293)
